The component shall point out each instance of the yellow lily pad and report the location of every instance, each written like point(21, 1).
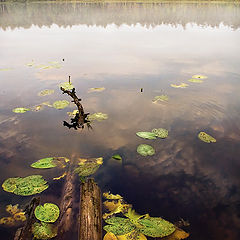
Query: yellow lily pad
point(66, 85)
point(46, 92)
point(21, 110)
point(61, 104)
point(108, 195)
point(199, 76)
point(162, 98)
point(206, 138)
point(182, 85)
point(195, 80)
point(109, 236)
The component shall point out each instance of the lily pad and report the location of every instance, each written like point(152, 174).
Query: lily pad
point(44, 230)
point(146, 135)
point(162, 98)
point(73, 113)
point(97, 116)
point(46, 92)
point(66, 85)
point(132, 236)
point(117, 157)
point(111, 196)
point(182, 85)
point(145, 150)
point(61, 104)
point(99, 89)
point(44, 163)
point(49, 212)
point(199, 76)
point(195, 80)
point(21, 110)
point(156, 227)
point(160, 132)
point(206, 138)
point(25, 186)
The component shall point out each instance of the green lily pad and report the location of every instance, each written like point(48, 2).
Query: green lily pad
point(44, 230)
point(146, 135)
point(195, 80)
point(46, 92)
point(160, 132)
point(162, 98)
point(118, 225)
point(145, 150)
point(66, 85)
point(61, 104)
point(182, 85)
point(49, 212)
point(97, 116)
point(44, 163)
point(199, 76)
point(21, 110)
point(206, 138)
point(25, 186)
point(117, 157)
point(156, 227)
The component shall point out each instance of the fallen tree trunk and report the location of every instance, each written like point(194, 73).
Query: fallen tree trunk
point(90, 212)
point(25, 233)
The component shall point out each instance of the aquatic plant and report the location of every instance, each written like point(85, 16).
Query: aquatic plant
point(66, 85)
point(73, 113)
point(199, 76)
point(25, 186)
point(61, 104)
point(21, 110)
point(111, 196)
point(182, 85)
point(145, 150)
point(46, 92)
point(206, 138)
point(44, 163)
point(146, 135)
point(97, 116)
point(160, 132)
point(109, 236)
point(48, 213)
point(117, 157)
point(162, 98)
point(37, 108)
point(47, 104)
point(195, 80)
point(60, 177)
point(44, 230)
point(99, 89)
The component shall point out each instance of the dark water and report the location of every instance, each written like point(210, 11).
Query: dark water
point(126, 47)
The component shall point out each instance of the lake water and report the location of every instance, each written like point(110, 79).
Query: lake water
point(124, 47)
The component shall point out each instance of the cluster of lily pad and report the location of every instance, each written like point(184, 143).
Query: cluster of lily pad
point(131, 225)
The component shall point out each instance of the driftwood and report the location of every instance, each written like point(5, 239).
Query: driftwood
point(66, 217)
point(25, 233)
point(90, 212)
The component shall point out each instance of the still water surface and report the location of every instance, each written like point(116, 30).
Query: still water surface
point(123, 48)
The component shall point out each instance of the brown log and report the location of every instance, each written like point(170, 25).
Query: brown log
point(25, 233)
point(90, 212)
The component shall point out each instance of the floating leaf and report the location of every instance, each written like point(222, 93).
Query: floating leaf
point(12, 209)
point(162, 98)
point(49, 212)
point(193, 80)
point(206, 138)
point(146, 135)
point(46, 104)
point(46, 92)
point(37, 108)
point(160, 132)
point(99, 89)
point(62, 176)
point(118, 225)
point(44, 163)
point(25, 186)
point(178, 234)
point(145, 150)
point(61, 104)
point(20, 216)
point(199, 76)
point(44, 230)
point(88, 167)
point(134, 217)
point(117, 157)
point(108, 195)
point(156, 227)
point(66, 85)
point(133, 235)
point(21, 110)
point(182, 85)
point(97, 116)
point(73, 113)
point(110, 236)
point(7, 221)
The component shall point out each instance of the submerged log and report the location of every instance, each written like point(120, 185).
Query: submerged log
point(90, 212)
point(25, 233)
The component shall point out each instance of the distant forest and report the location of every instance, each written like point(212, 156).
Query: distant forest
point(65, 14)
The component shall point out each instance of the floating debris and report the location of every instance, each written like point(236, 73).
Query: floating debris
point(160, 132)
point(206, 138)
point(46, 92)
point(61, 104)
point(21, 110)
point(47, 213)
point(97, 89)
point(199, 76)
point(182, 85)
point(145, 150)
point(162, 98)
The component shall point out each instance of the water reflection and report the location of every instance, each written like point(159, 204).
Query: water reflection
point(186, 178)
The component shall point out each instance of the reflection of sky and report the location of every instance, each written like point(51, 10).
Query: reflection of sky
point(185, 174)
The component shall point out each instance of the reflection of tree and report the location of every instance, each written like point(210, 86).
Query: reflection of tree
point(67, 14)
